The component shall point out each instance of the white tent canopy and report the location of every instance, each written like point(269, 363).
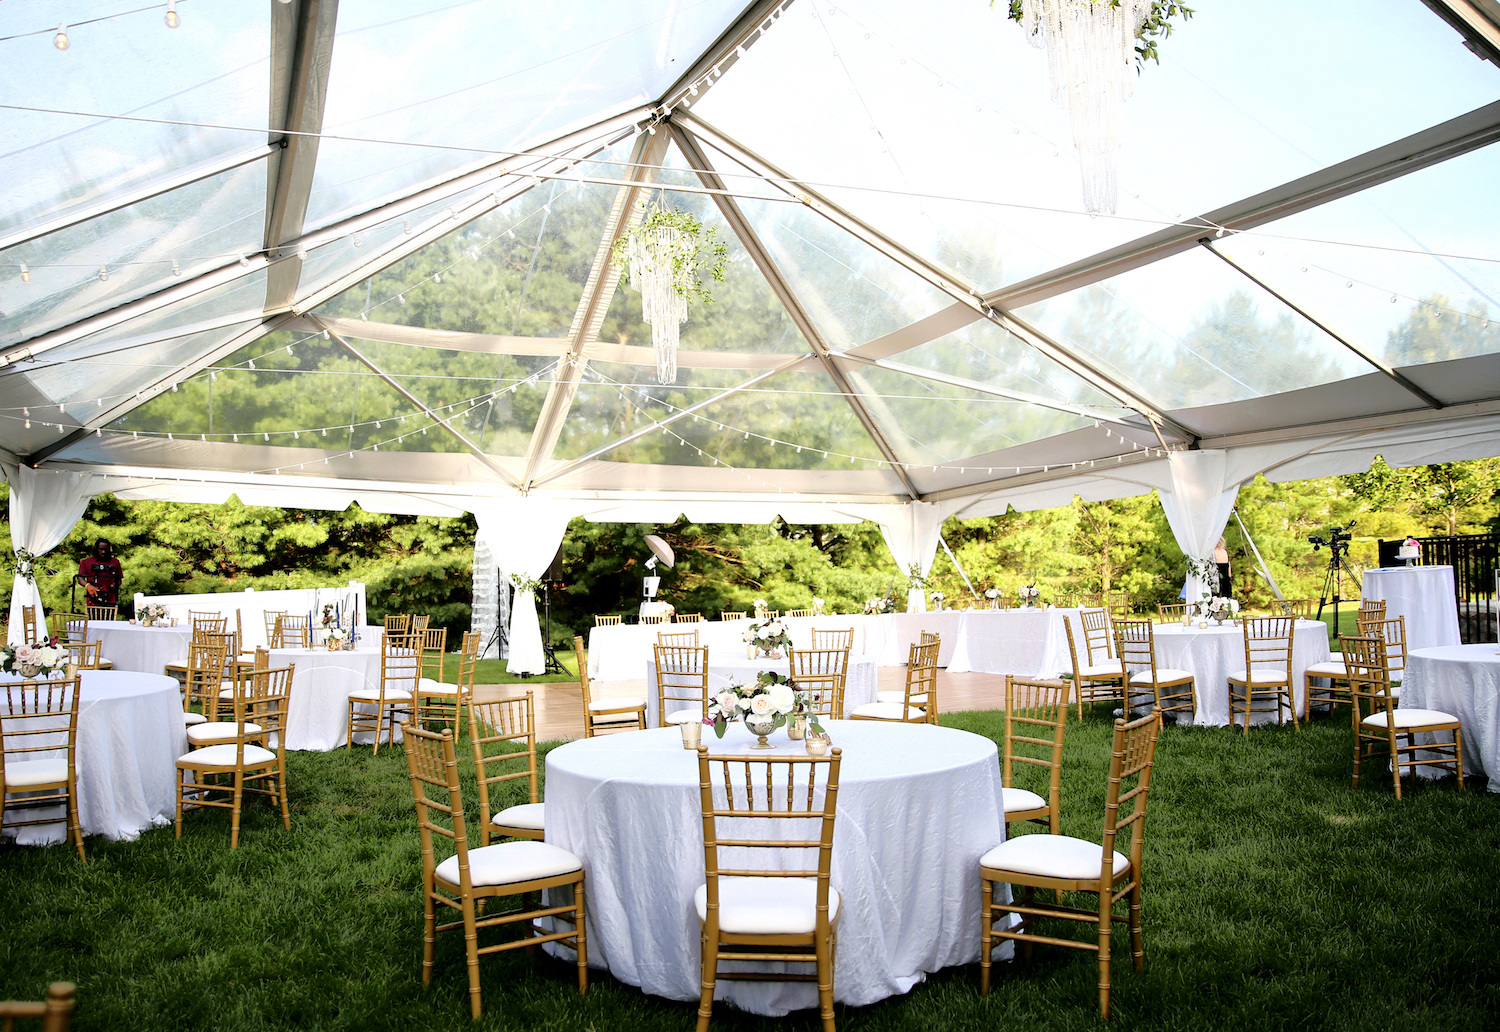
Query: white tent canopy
point(326, 251)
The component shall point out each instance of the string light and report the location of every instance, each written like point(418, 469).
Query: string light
point(103, 273)
point(25, 273)
point(60, 41)
point(172, 20)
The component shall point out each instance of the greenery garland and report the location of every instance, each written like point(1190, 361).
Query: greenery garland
point(698, 251)
point(524, 584)
point(1157, 25)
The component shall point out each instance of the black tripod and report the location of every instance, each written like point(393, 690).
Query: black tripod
point(554, 666)
point(1333, 578)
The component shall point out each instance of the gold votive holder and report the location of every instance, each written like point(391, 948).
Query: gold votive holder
point(692, 734)
point(816, 744)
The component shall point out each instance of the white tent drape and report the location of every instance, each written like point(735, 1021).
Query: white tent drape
point(911, 533)
point(44, 506)
point(523, 535)
point(1198, 506)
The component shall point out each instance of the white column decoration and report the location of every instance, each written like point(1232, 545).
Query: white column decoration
point(911, 533)
point(1198, 505)
point(524, 534)
point(44, 506)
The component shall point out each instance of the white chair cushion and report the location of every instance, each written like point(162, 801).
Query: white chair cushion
point(531, 816)
point(1329, 669)
point(219, 729)
point(1051, 856)
point(767, 906)
point(1259, 676)
point(619, 702)
point(1020, 799)
point(888, 710)
point(430, 686)
point(1163, 675)
point(19, 775)
point(193, 718)
point(373, 695)
point(224, 756)
point(1411, 718)
point(1109, 668)
point(507, 862)
point(684, 716)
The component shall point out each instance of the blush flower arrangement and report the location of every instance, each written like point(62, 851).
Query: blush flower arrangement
point(770, 697)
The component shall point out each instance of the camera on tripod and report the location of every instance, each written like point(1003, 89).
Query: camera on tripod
point(1337, 540)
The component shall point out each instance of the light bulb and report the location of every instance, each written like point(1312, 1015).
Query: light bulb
point(103, 274)
point(437, 278)
point(244, 261)
point(176, 269)
point(60, 41)
point(326, 334)
point(172, 20)
point(25, 273)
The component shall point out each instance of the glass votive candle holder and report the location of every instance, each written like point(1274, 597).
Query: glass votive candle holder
point(692, 734)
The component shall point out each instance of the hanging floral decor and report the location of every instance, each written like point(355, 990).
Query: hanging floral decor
point(1092, 46)
point(666, 256)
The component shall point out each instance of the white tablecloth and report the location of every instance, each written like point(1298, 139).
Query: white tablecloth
point(130, 733)
point(1463, 680)
point(861, 682)
point(616, 653)
point(1211, 654)
point(918, 806)
point(1025, 642)
point(890, 636)
point(318, 713)
point(133, 647)
point(1422, 594)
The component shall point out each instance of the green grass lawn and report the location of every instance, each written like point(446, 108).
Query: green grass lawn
point(1276, 897)
point(492, 671)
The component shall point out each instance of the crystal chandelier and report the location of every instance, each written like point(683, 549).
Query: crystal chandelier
point(1091, 50)
point(662, 270)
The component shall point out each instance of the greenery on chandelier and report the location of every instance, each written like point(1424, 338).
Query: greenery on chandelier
point(693, 250)
point(1157, 26)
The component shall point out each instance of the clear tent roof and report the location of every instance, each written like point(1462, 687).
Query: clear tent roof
point(293, 239)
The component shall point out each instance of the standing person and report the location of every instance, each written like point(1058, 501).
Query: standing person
point(100, 575)
point(1221, 560)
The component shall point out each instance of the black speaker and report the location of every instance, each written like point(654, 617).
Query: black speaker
point(554, 574)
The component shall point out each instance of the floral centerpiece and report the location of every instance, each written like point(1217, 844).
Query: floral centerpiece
point(763, 706)
point(149, 614)
point(1218, 608)
point(760, 608)
point(336, 638)
point(937, 599)
point(32, 660)
point(768, 637)
point(329, 620)
point(875, 605)
point(1029, 595)
point(817, 606)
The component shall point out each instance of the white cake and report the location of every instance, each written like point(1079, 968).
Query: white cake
point(1409, 552)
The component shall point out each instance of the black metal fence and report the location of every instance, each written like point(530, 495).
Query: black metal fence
point(1474, 558)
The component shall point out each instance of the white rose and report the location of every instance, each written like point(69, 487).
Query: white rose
point(46, 655)
point(761, 705)
point(742, 704)
point(783, 699)
point(762, 633)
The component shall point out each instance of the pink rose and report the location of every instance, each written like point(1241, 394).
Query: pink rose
point(761, 705)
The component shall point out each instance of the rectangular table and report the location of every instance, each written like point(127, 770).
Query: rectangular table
point(1024, 642)
point(616, 653)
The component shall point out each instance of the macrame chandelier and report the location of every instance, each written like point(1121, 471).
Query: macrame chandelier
point(1091, 52)
point(663, 255)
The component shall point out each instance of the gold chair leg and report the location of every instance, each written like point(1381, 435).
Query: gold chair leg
point(710, 950)
point(234, 819)
point(471, 948)
point(580, 935)
point(1104, 922)
point(823, 949)
point(986, 923)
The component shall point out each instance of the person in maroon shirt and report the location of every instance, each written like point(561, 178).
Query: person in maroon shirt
point(100, 575)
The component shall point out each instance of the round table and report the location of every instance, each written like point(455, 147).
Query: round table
point(132, 646)
point(1422, 594)
point(1463, 680)
point(861, 681)
point(1212, 653)
point(318, 709)
point(130, 733)
point(918, 806)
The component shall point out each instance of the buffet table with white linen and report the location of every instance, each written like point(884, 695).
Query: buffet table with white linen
point(890, 636)
point(1212, 653)
point(1024, 642)
point(918, 806)
point(130, 733)
point(1462, 680)
point(1422, 594)
point(617, 652)
point(318, 710)
point(861, 680)
point(132, 646)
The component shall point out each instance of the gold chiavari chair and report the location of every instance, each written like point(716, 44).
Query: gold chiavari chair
point(1380, 729)
point(1093, 682)
point(1066, 600)
point(214, 623)
point(56, 1012)
point(443, 702)
point(205, 679)
point(621, 713)
point(1172, 612)
point(918, 702)
point(241, 761)
point(97, 612)
point(1036, 715)
point(397, 623)
point(271, 616)
point(35, 716)
point(732, 614)
point(216, 729)
point(434, 650)
point(822, 674)
point(1301, 608)
point(382, 710)
point(760, 912)
point(799, 612)
point(469, 878)
point(70, 627)
point(1061, 863)
point(1268, 668)
point(1393, 633)
point(824, 638)
point(28, 625)
point(607, 621)
point(1118, 605)
point(83, 654)
point(681, 683)
point(236, 679)
point(1371, 609)
point(689, 617)
point(688, 638)
point(1090, 599)
point(1172, 691)
point(660, 619)
point(418, 622)
point(511, 721)
point(295, 632)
